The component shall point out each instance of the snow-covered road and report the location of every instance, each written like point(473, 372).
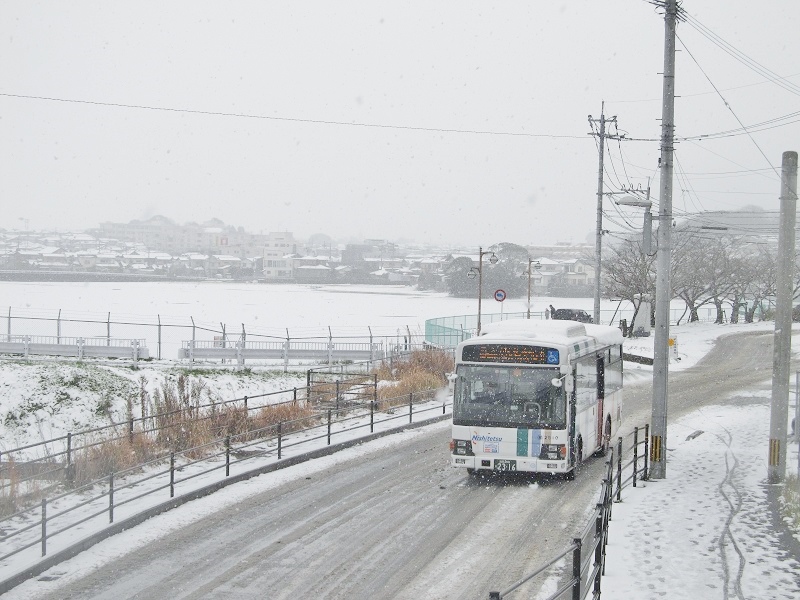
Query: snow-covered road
point(388, 519)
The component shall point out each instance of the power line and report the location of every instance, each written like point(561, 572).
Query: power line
point(741, 56)
point(294, 119)
point(691, 192)
point(754, 171)
point(762, 126)
point(725, 102)
point(728, 89)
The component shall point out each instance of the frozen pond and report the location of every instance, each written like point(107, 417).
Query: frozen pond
point(263, 310)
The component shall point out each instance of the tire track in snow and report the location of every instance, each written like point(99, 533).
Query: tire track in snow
point(735, 506)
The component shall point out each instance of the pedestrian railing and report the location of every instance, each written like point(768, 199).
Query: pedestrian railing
point(26, 469)
point(167, 335)
point(171, 479)
point(286, 351)
point(79, 347)
point(588, 549)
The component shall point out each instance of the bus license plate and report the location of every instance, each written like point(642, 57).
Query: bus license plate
point(505, 465)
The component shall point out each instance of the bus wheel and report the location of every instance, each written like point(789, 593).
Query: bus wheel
point(603, 450)
point(570, 475)
point(470, 471)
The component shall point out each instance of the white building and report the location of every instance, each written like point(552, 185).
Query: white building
point(278, 250)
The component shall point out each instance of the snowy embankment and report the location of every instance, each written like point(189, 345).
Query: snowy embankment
point(41, 400)
point(48, 399)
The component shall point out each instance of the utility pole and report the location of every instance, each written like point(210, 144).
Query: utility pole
point(598, 248)
point(658, 438)
point(781, 353)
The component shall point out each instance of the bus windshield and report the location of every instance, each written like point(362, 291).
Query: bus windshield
point(505, 396)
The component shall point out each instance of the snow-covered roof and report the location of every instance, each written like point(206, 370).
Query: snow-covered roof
point(526, 331)
point(227, 258)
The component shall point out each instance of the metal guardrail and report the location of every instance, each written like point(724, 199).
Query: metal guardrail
point(78, 347)
point(166, 334)
point(18, 468)
point(588, 550)
point(281, 443)
point(287, 350)
point(338, 385)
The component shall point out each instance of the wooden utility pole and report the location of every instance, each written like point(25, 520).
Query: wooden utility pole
point(782, 348)
point(658, 438)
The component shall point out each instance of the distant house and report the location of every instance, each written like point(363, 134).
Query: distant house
point(578, 272)
point(192, 264)
point(224, 266)
point(108, 263)
point(313, 274)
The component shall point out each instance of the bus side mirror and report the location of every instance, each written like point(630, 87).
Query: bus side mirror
point(556, 381)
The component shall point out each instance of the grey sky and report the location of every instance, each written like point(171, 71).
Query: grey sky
point(432, 77)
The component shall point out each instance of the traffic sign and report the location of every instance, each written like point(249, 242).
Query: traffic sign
point(500, 295)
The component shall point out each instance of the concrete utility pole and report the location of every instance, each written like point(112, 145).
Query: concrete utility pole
point(599, 241)
point(781, 354)
point(658, 438)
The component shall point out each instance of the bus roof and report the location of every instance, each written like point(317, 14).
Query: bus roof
point(527, 331)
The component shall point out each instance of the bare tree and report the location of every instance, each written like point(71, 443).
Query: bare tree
point(689, 281)
point(717, 270)
point(742, 267)
point(764, 278)
point(628, 274)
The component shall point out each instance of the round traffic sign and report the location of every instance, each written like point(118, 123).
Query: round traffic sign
point(500, 295)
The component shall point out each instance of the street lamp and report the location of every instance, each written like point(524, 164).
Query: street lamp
point(647, 234)
point(536, 265)
point(472, 273)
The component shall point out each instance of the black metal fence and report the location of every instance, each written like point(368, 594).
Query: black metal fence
point(588, 549)
point(34, 470)
point(186, 473)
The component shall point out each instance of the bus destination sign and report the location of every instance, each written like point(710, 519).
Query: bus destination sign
point(510, 353)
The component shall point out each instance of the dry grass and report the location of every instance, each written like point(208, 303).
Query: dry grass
point(10, 491)
point(293, 416)
point(437, 362)
point(354, 389)
point(112, 456)
point(424, 370)
point(412, 382)
point(175, 421)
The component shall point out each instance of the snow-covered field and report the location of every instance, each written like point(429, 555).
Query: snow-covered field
point(44, 399)
point(678, 538)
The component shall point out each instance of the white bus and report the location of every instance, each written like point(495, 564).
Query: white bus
point(536, 396)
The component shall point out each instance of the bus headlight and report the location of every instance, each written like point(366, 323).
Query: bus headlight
point(461, 447)
point(553, 452)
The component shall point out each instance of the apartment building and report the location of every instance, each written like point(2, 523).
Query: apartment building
point(279, 249)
